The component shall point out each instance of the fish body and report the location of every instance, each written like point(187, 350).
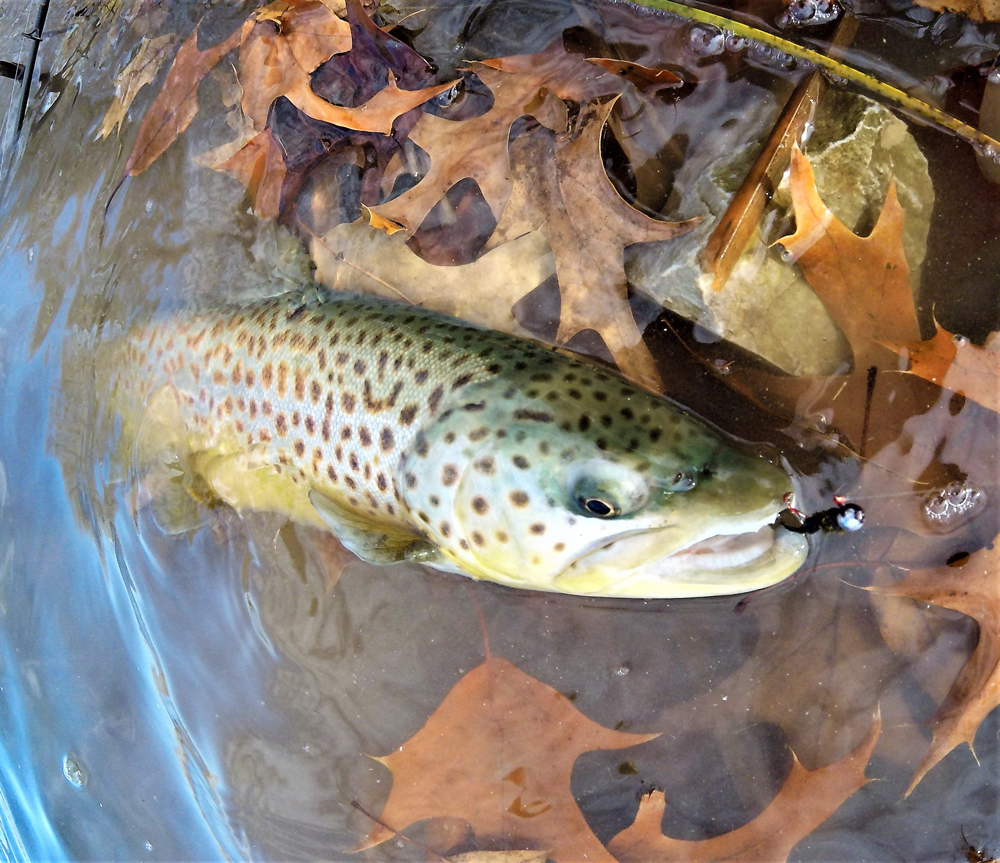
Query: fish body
point(417, 436)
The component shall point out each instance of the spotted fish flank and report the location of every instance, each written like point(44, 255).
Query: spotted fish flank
point(418, 436)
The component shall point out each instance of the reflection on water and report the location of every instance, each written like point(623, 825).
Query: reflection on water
point(216, 694)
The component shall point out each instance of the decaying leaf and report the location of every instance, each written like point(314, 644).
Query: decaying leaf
point(477, 147)
point(498, 753)
point(260, 166)
point(642, 77)
point(806, 800)
point(281, 46)
point(139, 72)
point(353, 257)
point(177, 103)
point(562, 191)
point(864, 282)
point(957, 365)
point(973, 589)
point(277, 59)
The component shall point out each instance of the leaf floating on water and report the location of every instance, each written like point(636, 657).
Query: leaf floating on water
point(805, 801)
point(498, 753)
point(973, 588)
point(864, 282)
point(140, 71)
point(177, 103)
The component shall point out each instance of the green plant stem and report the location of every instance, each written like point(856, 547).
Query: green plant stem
point(834, 67)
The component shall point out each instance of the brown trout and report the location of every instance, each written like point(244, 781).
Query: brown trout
point(415, 436)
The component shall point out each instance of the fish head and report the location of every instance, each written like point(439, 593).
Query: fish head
point(602, 492)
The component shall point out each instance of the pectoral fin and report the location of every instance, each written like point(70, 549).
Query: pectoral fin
point(358, 536)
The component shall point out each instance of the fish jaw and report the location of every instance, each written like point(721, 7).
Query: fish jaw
point(720, 565)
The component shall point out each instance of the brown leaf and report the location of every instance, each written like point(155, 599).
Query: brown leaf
point(498, 753)
point(177, 103)
point(277, 59)
point(477, 147)
point(562, 191)
point(805, 801)
point(957, 365)
point(973, 589)
point(260, 166)
point(642, 77)
point(864, 282)
point(139, 72)
point(281, 45)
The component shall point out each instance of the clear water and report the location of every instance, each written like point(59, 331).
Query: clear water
point(210, 696)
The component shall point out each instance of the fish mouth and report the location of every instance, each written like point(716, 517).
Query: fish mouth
point(643, 565)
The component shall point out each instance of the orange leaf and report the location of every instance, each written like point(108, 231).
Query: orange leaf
point(805, 801)
point(498, 753)
point(973, 589)
point(271, 66)
point(642, 77)
point(260, 166)
point(957, 365)
point(864, 282)
point(177, 103)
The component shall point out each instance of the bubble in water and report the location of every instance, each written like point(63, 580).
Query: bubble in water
point(952, 503)
point(148, 846)
point(959, 341)
point(809, 13)
point(706, 41)
point(760, 52)
point(73, 771)
point(32, 251)
point(736, 43)
point(623, 669)
point(149, 206)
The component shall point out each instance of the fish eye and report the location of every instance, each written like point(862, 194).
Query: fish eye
point(600, 508)
point(684, 480)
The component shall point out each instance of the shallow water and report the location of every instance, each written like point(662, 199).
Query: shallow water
point(210, 695)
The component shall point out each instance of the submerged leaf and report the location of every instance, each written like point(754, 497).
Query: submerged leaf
point(477, 147)
point(498, 753)
point(177, 103)
point(140, 71)
point(864, 282)
point(806, 800)
point(562, 191)
point(972, 588)
point(957, 365)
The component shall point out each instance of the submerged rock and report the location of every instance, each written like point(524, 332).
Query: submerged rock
point(855, 147)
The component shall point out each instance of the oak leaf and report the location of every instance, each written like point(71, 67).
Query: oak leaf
point(498, 753)
point(562, 191)
point(956, 364)
point(806, 800)
point(477, 147)
point(864, 282)
point(973, 589)
point(278, 58)
point(140, 71)
point(260, 166)
point(177, 102)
